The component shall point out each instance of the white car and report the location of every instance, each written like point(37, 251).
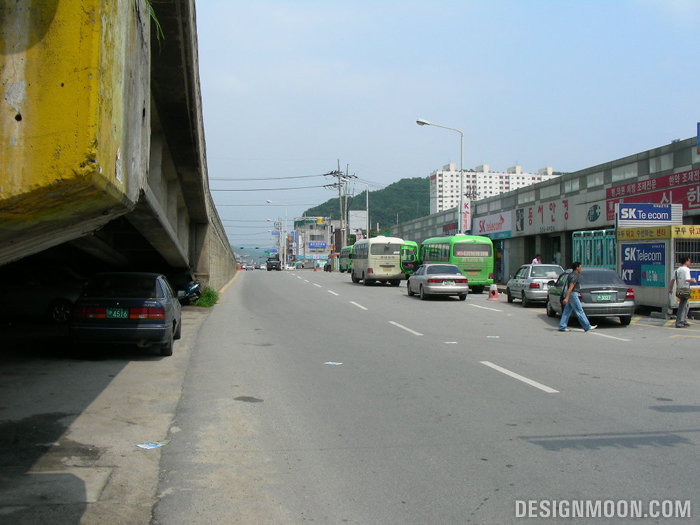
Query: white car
point(529, 284)
point(438, 279)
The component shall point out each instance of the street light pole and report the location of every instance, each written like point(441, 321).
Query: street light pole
point(460, 214)
point(366, 203)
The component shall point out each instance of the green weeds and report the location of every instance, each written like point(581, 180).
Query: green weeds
point(209, 298)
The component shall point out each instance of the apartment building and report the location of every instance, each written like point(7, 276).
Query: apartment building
point(479, 183)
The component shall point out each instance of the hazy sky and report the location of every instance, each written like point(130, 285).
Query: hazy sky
point(296, 88)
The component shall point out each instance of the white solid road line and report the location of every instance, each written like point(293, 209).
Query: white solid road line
point(358, 305)
point(485, 308)
point(598, 332)
point(317, 285)
point(520, 378)
point(331, 291)
point(404, 328)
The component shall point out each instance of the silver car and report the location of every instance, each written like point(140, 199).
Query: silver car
point(603, 294)
point(438, 279)
point(529, 284)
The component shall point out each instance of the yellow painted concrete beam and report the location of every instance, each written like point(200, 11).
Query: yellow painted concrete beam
point(67, 144)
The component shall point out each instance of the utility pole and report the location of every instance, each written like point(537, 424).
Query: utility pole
point(339, 185)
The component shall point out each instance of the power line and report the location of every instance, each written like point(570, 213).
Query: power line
point(267, 178)
point(273, 189)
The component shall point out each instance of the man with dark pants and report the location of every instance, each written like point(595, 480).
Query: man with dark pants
point(570, 301)
point(683, 281)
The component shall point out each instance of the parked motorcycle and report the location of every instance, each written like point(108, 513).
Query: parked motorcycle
point(191, 293)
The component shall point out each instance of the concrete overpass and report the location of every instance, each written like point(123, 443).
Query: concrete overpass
point(103, 155)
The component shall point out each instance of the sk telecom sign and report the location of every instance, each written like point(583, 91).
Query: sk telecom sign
point(634, 215)
point(497, 226)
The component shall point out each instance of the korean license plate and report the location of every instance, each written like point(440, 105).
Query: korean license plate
point(117, 313)
point(604, 297)
point(472, 273)
point(448, 283)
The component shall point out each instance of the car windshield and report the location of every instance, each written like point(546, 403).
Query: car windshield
point(600, 277)
point(130, 286)
point(443, 269)
point(542, 270)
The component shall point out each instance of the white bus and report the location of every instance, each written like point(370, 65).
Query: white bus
point(377, 259)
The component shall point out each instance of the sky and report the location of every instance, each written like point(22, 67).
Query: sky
point(295, 89)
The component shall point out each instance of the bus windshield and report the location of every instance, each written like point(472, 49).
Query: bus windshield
point(385, 249)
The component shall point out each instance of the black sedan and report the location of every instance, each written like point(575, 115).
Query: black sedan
point(128, 307)
point(603, 294)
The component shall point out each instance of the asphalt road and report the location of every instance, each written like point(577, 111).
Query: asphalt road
point(310, 399)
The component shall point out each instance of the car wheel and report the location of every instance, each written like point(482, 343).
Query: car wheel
point(178, 332)
point(478, 289)
point(508, 295)
point(354, 279)
point(395, 283)
point(59, 311)
point(166, 349)
point(550, 310)
point(366, 281)
point(423, 295)
point(462, 297)
point(408, 288)
point(625, 320)
point(525, 301)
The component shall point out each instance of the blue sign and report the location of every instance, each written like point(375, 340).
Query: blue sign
point(643, 264)
point(317, 245)
point(660, 213)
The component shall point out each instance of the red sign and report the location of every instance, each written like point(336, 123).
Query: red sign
point(678, 188)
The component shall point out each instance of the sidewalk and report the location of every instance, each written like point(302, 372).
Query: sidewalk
point(69, 427)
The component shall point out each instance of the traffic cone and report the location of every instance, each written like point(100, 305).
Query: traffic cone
point(493, 293)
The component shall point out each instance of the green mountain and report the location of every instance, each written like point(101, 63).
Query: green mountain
point(408, 199)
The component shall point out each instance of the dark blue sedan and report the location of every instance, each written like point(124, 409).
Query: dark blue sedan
point(128, 307)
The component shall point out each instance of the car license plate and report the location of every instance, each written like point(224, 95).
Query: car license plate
point(472, 273)
point(604, 297)
point(448, 283)
point(117, 313)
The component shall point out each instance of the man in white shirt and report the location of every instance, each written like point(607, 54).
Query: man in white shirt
point(536, 260)
point(683, 280)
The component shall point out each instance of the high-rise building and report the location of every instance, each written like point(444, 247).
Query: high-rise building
point(479, 183)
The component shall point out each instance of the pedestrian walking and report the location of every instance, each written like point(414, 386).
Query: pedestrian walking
point(570, 302)
point(683, 281)
point(537, 259)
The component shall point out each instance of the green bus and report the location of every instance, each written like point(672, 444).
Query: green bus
point(409, 257)
point(473, 255)
point(345, 261)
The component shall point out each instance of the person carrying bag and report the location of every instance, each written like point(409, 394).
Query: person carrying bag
point(683, 280)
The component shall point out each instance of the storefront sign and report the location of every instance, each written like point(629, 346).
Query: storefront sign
point(628, 234)
point(643, 264)
point(678, 188)
point(497, 226)
point(549, 217)
point(631, 215)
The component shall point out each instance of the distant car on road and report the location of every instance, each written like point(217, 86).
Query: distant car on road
point(529, 284)
point(603, 294)
point(128, 307)
point(438, 279)
point(273, 263)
